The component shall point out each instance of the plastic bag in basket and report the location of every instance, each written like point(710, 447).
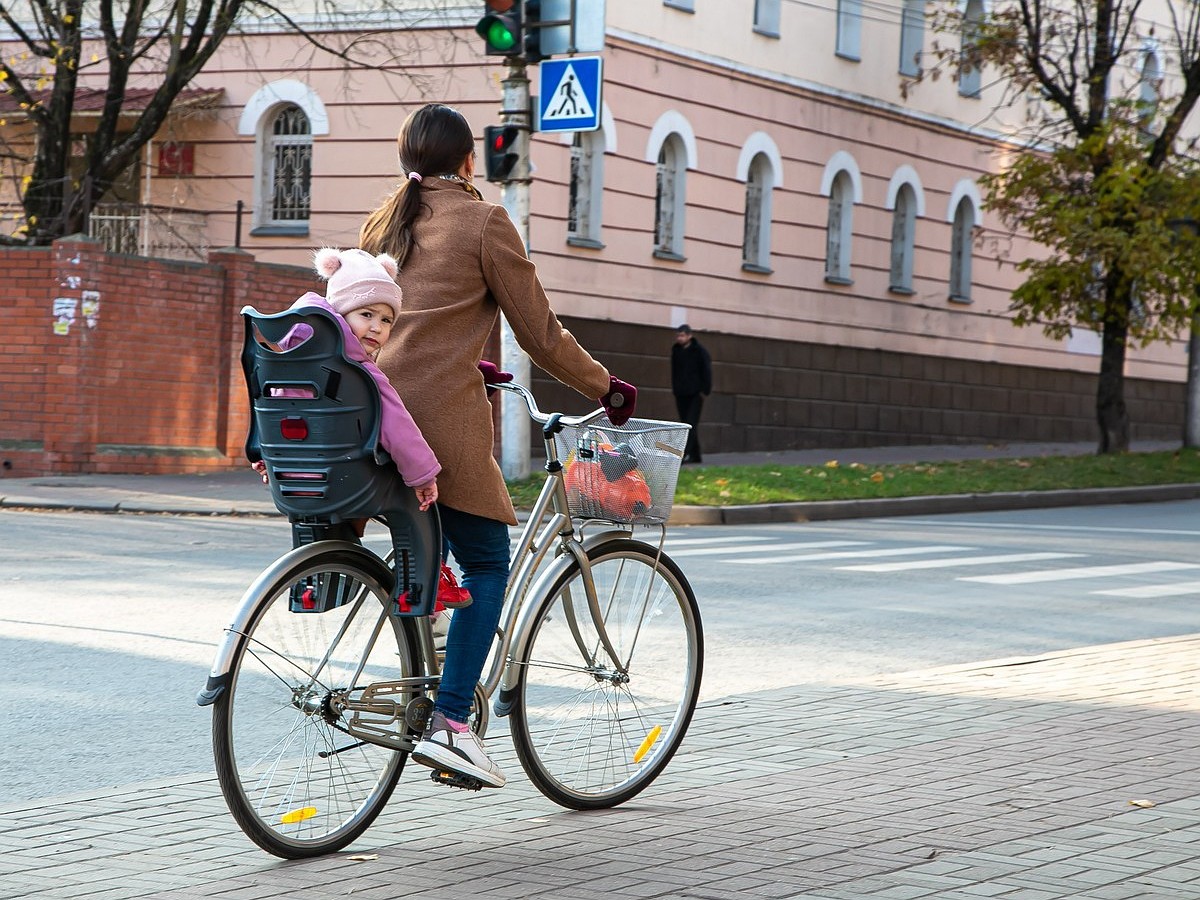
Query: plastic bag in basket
point(608, 485)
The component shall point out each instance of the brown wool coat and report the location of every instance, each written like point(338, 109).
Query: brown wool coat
point(467, 265)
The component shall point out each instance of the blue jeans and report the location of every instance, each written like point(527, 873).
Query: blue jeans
point(480, 547)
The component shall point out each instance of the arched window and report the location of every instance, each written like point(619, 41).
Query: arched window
point(961, 242)
point(904, 231)
point(970, 78)
point(669, 198)
point(849, 29)
point(586, 189)
point(912, 37)
point(839, 228)
point(283, 116)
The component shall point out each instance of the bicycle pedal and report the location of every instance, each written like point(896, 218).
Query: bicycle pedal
point(454, 779)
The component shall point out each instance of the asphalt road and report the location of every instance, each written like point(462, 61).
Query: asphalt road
point(108, 623)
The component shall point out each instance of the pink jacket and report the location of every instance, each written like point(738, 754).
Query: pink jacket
point(398, 434)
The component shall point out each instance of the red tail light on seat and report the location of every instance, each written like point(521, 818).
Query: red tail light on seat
point(293, 428)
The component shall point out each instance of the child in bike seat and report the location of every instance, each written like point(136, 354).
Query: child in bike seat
point(365, 299)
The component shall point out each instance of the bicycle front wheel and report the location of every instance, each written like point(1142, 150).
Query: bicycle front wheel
point(288, 737)
point(592, 730)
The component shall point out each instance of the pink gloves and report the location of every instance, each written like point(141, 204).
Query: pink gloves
point(620, 401)
point(492, 375)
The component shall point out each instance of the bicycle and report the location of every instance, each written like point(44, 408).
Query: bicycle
point(323, 681)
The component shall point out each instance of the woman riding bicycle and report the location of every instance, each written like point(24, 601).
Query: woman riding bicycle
point(462, 263)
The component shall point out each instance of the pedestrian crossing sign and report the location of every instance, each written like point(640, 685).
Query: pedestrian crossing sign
point(570, 94)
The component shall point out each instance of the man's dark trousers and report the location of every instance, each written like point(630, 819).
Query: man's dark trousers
point(689, 406)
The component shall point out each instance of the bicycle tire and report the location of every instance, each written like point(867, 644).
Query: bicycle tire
point(274, 720)
point(590, 736)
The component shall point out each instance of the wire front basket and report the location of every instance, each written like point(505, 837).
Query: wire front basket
point(623, 474)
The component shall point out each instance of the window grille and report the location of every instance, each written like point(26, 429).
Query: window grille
point(960, 250)
point(837, 246)
point(579, 211)
point(903, 238)
point(752, 235)
point(290, 176)
point(664, 200)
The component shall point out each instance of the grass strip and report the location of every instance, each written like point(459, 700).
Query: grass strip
point(738, 485)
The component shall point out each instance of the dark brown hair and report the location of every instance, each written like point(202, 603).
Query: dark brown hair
point(434, 140)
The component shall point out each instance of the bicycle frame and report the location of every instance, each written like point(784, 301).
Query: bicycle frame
point(549, 526)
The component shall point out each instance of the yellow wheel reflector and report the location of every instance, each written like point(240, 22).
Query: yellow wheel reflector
point(297, 815)
point(647, 743)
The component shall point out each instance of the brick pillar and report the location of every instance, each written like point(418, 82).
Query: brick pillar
point(76, 277)
point(239, 270)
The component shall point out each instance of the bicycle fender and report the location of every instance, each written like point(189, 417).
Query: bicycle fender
point(218, 676)
point(523, 627)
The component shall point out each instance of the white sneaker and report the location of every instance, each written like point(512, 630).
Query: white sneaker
point(441, 747)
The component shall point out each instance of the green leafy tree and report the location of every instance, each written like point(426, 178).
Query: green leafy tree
point(1106, 183)
point(56, 49)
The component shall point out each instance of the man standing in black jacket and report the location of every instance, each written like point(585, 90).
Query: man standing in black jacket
point(691, 382)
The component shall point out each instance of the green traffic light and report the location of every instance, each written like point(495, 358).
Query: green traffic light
point(500, 36)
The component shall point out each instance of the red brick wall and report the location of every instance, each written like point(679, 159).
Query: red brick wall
point(150, 382)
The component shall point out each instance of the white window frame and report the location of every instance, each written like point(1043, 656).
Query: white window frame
point(849, 29)
point(672, 149)
point(912, 37)
point(962, 212)
point(1149, 88)
point(760, 167)
point(257, 119)
point(906, 200)
point(842, 184)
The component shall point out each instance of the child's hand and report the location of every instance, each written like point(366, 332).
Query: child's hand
point(261, 468)
point(427, 494)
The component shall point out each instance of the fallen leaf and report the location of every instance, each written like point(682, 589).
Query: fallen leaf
point(832, 464)
point(1144, 804)
point(877, 477)
point(363, 857)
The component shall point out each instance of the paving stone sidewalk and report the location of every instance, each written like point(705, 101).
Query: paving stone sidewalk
point(1074, 774)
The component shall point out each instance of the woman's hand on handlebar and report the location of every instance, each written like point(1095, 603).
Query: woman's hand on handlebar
point(493, 375)
point(620, 402)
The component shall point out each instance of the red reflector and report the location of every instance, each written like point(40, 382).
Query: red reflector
point(293, 428)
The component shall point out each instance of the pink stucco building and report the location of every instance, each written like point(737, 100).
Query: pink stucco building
point(759, 174)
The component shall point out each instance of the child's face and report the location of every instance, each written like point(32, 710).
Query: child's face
point(372, 325)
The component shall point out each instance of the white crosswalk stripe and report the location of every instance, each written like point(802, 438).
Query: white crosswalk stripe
point(1085, 572)
point(1150, 591)
point(852, 554)
point(953, 562)
point(692, 542)
point(762, 548)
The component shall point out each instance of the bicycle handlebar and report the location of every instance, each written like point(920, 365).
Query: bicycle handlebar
point(540, 417)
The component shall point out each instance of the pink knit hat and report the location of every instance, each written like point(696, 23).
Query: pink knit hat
point(358, 279)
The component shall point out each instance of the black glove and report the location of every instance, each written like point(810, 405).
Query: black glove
point(620, 401)
point(492, 375)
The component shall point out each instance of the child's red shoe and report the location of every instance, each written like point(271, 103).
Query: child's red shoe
point(450, 595)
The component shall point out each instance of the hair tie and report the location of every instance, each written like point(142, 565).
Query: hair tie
point(415, 176)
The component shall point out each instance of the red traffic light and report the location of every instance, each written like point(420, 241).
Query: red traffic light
point(500, 154)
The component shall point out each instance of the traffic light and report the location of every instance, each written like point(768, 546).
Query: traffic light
point(501, 28)
point(532, 28)
point(500, 151)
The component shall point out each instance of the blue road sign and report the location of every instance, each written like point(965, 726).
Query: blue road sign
point(570, 94)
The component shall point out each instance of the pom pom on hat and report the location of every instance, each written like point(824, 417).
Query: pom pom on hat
point(357, 279)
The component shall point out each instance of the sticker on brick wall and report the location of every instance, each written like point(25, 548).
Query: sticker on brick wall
point(72, 282)
point(64, 314)
point(91, 308)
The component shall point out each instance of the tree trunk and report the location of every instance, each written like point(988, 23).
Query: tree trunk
point(1111, 415)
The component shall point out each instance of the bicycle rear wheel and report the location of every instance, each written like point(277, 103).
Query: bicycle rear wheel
point(590, 733)
point(291, 759)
